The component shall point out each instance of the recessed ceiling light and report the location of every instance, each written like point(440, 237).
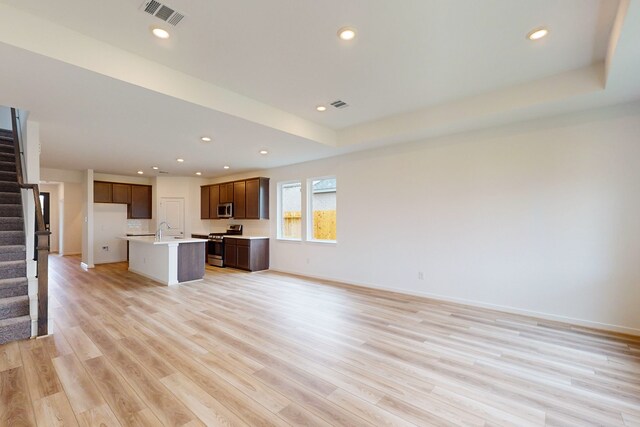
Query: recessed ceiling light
point(321, 108)
point(198, 173)
point(205, 139)
point(160, 33)
point(179, 160)
point(140, 172)
point(537, 34)
point(155, 168)
point(347, 33)
point(264, 152)
point(226, 167)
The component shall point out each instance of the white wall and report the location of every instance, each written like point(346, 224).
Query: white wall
point(70, 208)
point(73, 218)
point(540, 217)
point(5, 118)
point(110, 223)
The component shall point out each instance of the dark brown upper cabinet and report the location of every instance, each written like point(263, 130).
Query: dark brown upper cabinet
point(121, 193)
point(204, 203)
point(226, 192)
point(239, 202)
point(257, 197)
point(214, 199)
point(136, 197)
point(102, 192)
point(250, 198)
point(140, 207)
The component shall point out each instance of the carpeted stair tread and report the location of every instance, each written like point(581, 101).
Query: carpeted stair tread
point(12, 253)
point(14, 307)
point(13, 269)
point(12, 237)
point(7, 197)
point(11, 223)
point(8, 176)
point(10, 187)
point(18, 286)
point(7, 158)
point(8, 249)
point(6, 165)
point(12, 210)
point(7, 149)
point(18, 328)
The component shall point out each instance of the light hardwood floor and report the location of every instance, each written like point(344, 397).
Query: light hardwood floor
point(269, 349)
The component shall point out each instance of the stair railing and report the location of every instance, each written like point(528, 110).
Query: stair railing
point(41, 254)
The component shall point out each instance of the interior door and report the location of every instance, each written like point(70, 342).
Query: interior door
point(45, 201)
point(172, 212)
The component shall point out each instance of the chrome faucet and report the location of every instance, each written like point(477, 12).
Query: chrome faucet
point(159, 230)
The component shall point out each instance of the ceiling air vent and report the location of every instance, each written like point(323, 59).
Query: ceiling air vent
point(162, 11)
point(339, 104)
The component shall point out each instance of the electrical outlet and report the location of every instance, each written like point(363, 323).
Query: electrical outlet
point(420, 275)
point(308, 260)
point(105, 248)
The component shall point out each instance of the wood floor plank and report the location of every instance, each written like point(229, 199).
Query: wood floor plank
point(372, 413)
point(15, 405)
point(10, 356)
point(54, 411)
point(80, 389)
point(250, 411)
point(296, 415)
point(209, 410)
point(124, 402)
point(41, 376)
point(320, 406)
point(55, 344)
point(150, 390)
point(98, 417)
point(81, 343)
point(274, 349)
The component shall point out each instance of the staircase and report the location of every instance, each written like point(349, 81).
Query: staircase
point(15, 322)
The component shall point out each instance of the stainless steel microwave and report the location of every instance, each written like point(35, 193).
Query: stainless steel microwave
point(225, 210)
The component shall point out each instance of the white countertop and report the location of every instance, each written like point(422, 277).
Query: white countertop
point(228, 236)
point(151, 240)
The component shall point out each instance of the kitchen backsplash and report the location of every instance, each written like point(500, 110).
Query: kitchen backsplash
point(249, 227)
point(138, 225)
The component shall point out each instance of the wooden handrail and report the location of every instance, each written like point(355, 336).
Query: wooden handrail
point(42, 234)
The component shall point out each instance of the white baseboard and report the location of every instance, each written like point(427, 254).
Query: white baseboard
point(571, 321)
point(86, 266)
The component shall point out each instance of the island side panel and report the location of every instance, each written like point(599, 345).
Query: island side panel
point(190, 261)
point(150, 260)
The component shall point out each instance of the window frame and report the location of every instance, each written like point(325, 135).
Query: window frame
point(309, 211)
point(280, 211)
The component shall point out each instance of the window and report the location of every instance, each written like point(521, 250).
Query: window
point(322, 209)
point(290, 210)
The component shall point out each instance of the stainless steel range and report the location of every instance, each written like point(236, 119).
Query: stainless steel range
point(215, 246)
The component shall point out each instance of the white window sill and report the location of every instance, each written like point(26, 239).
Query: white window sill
point(323, 242)
point(284, 239)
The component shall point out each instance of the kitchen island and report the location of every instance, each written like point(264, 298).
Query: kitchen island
point(169, 260)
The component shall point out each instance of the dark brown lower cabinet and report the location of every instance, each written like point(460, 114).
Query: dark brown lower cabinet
point(246, 254)
point(190, 261)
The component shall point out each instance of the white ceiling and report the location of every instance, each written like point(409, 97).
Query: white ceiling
point(417, 68)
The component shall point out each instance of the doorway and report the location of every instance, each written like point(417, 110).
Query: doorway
point(45, 204)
